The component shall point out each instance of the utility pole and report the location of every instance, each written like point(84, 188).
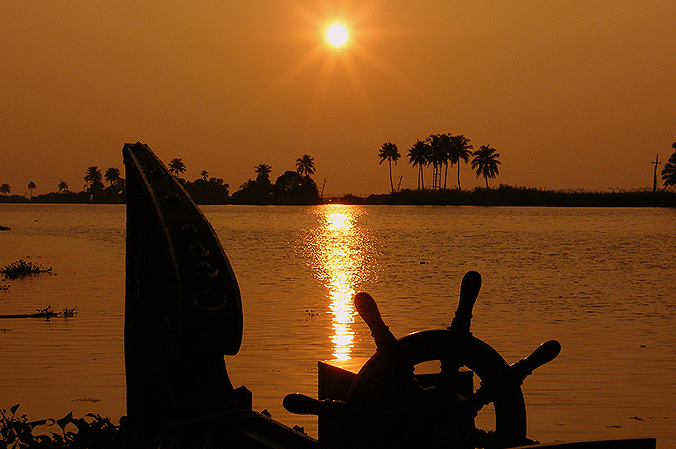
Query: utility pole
point(656, 162)
point(323, 185)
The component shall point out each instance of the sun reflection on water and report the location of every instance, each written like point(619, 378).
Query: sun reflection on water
point(340, 253)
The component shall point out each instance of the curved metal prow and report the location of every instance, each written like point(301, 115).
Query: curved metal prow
point(183, 307)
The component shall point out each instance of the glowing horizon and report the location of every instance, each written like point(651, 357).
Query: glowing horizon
point(561, 100)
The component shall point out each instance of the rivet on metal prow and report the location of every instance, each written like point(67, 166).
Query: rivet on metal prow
point(199, 250)
point(189, 229)
point(173, 197)
point(210, 299)
point(204, 268)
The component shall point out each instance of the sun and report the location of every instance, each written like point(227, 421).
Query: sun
point(338, 50)
point(337, 35)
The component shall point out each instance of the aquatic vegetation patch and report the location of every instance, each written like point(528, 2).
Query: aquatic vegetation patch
point(93, 431)
point(23, 268)
point(68, 313)
point(47, 313)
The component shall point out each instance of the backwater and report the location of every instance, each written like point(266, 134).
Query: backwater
point(599, 280)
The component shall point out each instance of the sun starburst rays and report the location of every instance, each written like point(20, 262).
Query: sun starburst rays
point(333, 71)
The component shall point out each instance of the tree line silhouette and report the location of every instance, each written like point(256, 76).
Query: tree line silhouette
point(440, 151)
point(93, 191)
point(297, 187)
point(292, 187)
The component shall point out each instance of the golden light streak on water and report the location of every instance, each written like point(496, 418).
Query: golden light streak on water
point(338, 246)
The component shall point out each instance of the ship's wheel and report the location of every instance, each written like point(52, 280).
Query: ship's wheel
point(387, 407)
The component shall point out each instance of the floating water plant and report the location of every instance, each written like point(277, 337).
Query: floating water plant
point(47, 313)
point(95, 431)
point(23, 268)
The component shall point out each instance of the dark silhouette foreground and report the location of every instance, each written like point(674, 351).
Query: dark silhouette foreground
point(183, 314)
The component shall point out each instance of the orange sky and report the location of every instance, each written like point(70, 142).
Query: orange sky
point(572, 94)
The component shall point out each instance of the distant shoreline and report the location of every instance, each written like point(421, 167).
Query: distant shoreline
point(499, 196)
point(521, 196)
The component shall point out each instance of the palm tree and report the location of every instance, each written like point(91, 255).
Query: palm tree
point(459, 150)
point(176, 167)
point(204, 174)
point(263, 171)
point(446, 153)
point(389, 152)
point(31, 186)
point(113, 176)
point(305, 166)
point(418, 155)
point(260, 190)
point(486, 162)
point(438, 156)
point(669, 170)
point(5, 189)
point(92, 175)
point(62, 187)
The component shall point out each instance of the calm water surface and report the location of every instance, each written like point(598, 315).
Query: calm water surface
point(601, 281)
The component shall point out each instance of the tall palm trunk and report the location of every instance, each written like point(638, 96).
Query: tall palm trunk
point(439, 177)
point(459, 189)
point(391, 183)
